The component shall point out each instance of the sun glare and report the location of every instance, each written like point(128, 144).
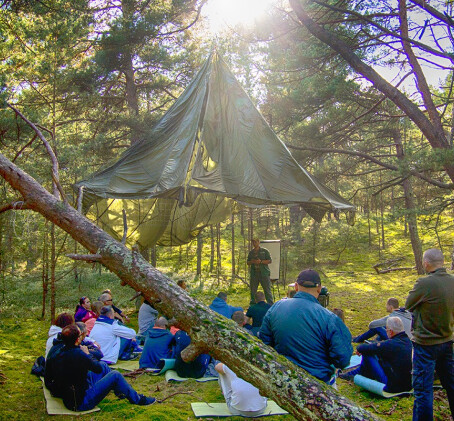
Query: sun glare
point(224, 14)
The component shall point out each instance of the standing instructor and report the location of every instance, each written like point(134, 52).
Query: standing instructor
point(432, 303)
point(258, 259)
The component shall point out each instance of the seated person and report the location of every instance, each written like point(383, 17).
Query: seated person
point(182, 284)
point(239, 318)
point(62, 320)
point(241, 397)
point(116, 341)
point(96, 310)
point(377, 327)
point(81, 381)
point(194, 369)
point(158, 344)
point(93, 347)
point(257, 311)
point(388, 361)
point(219, 305)
point(147, 317)
point(106, 298)
point(83, 310)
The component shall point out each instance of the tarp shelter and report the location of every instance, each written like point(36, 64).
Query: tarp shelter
point(211, 153)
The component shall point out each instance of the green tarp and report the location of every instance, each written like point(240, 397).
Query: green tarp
point(209, 154)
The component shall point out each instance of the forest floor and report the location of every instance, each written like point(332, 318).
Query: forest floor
point(362, 296)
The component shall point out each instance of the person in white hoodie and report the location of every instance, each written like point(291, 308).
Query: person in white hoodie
point(62, 320)
point(116, 341)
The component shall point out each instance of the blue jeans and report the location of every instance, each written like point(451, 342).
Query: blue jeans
point(426, 359)
point(371, 368)
point(380, 331)
point(113, 380)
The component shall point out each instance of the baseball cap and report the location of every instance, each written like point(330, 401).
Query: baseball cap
point(308, 278)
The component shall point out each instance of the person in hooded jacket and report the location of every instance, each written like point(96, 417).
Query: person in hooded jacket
point(219, 305)
point(62, 320)
point(158, 344)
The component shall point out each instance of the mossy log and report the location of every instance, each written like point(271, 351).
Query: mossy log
point(277, 378)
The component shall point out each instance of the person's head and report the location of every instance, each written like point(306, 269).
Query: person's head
point(96, 307)
point(432, 259)
point(85, 303)
point(107, 291)
point(83, 329)
point(238, 318)
point(256, 243)
point(108, 311)
point(291, 287)
point(182, 284)
point(394, 326)
point(70, 335)
point(161, 323)
point(292, 293)
point(222, 296)
point(309, 281)
point(392, 304)
point(63, 320)
point(106, 298)
point(339, 313)
point(259, 296)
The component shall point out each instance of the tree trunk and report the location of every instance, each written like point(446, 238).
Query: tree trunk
point(410, 216)
point(212, 249)
point(276, 377)
point(232, 248)
point(199, 253)
point(45, 270)
point(53, 264)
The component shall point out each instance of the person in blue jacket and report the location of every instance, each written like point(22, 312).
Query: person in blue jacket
point(388, 361)
point(306, 333)
point(158, 344)
point(219, 305)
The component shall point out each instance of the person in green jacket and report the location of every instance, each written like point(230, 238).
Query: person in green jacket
point(432, 303)
point(258, 260)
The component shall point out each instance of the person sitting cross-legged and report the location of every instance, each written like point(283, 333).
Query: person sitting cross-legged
point(377, 327)
point(116, 341)
point(307, 333)
point(388, 361)
point(158, 344)
point(219, 305)
point(257, 311)
point(241, 397)
point(81, 381)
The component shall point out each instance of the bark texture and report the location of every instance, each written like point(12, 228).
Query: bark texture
point(291, 387)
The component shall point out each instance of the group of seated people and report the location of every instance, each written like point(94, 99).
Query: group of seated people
point(81, 348)
point(77, 365)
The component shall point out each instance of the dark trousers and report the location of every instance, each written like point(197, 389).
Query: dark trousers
point(426, 359)
point(371, 368)
point(101, 384)
point(265, 282)
point(379, 331)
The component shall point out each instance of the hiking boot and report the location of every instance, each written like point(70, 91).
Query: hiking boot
point(145, 400)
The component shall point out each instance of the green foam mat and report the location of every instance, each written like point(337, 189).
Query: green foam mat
point(55, 406)
point(203, 409)
point(129, 365)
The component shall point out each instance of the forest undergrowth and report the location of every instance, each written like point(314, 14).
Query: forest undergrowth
point(353, 284)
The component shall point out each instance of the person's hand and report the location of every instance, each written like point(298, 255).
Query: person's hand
point(96, 344)
point(358, 353)
point(85, 349)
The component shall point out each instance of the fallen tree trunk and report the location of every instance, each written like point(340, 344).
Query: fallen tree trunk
point(291, 387)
